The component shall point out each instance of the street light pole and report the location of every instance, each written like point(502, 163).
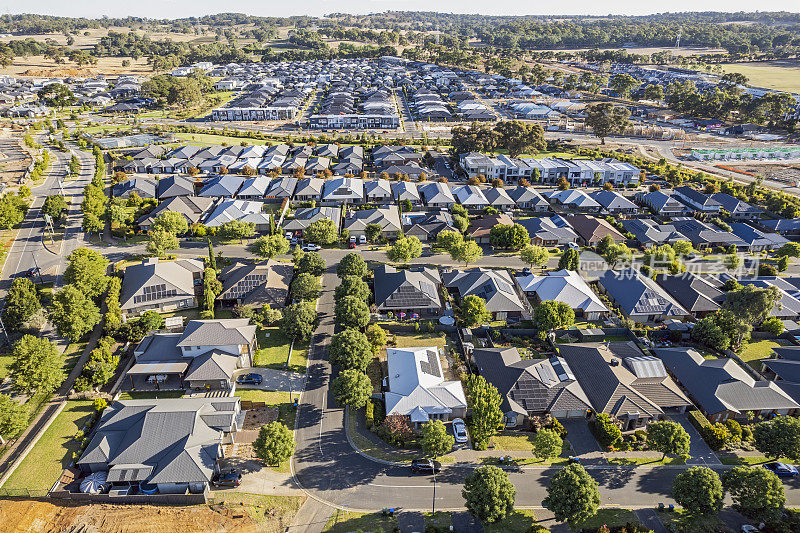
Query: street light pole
point(434, 492)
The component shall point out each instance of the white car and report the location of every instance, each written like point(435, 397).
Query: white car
point(353, 239)
point(460, 430)
point(311, 247)
point(362, 239)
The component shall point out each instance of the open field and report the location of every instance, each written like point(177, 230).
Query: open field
point(39, 66)
point(779, 75)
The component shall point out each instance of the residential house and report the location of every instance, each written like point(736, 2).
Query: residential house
point(160, 286)
point(405, 190)
point(242, 210)
point(696, 294)
point(191, 207)
point(784, 370)
point(480, 229)
point(172, 186)
point(495, 287)
point(309, 190)
point(377, 191)
point(410, 291)
point(592, 230)
point(722, 389)
point(253, 188)
point(788, 304)
point(144, 187)
point(531, 387)
point(388, 218)
point(574, 200)
point(565, 286)
point(649, 233)
point(788, 227)
point(340, 191)
point(225, 186)
point(499, 198)
point(662, 204)
point(737, 209)
point(471, 197)
point(640, 298)
point(549, 231)
point(436, 194)
point(756, 240)
point(696, 200)
point(703, 235)
point(305, 216)
point(614, 203)
point(281, 188)
point(257, 284)
point(528, 198)
point(427, 226)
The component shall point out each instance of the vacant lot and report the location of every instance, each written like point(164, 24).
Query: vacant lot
point(779, 75)
point(40, 66)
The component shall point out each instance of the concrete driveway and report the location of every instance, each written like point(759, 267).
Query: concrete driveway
point(579, 436)
point(701, 453)
point(277, 380)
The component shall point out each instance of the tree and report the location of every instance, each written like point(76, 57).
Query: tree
point(706, 331)
point(683, 247)
point(756, 492)
point(473, 311)
point(171, 222)
point(699, 491)
point(467, 252)
point(372, 232)
point(668, 437)
point(616, 253)
point(460, 222)
point(73, 313)
point(605, 430)
point(405, 249)
point(12, 211)
point(572, 495)
point(779, 437)
point(623, 84)
point(435, 439)
point(550, 315)
point(604, 244)
point(509, 236)
point(489, 494)
point(484, 402)
point(13, 418)
point(606, 118)
point(160, 241)
point(752, 304)
point(306, 286)
point(351, 265)
point(92, 223)
point(86, 270)
point(534, 255)
point(653, 92)
point(351, 312)
point(570, 260)
point(732, 261)
point(547, 443)
point(298, 321)
point(237, 229)
point(268, 246)
point(321, 232)
point(102, 362)
point(352, 388)
point(790, 249)
point(376, 336)
point(56, 95)
point(773, 325)
point(54, 206)
point(448, 240)
point(274, 443)
point(520, 137)
point(36, 365)
point(22, 302)
point(353, 286)
point(312, 263)
point(350, 349)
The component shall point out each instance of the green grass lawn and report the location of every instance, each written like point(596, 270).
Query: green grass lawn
point(610, 517)
point(755, 351)
point(638, 461)
point(680, 520)
point(53, 452)
point(442, 520)
point(150, 395)
point(513, 442)
point(411, 340)
point(272, 513)
point(779, 75)
point(756, 460)
point(206, 139)
point(519, 520)
point(347, 521)
point(273, 348)
point(5, 361)
point(286, 412)
point(72, 354)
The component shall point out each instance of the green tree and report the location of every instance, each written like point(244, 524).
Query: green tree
point(86, 269)
point(546, 444)
point(448, 240)
point(668, 437)
point(435, 439)
point(707, 332)
point(534, 255)
point(372, 232)
point(732, 261)
point(350, 349)
point(376, 336)
point(682, 247)
point(269, 246)
point(13, 418)
point(321, 232)
point(405, 249)
point(570, 260)
point(489, 494)
point(606, 118)
point(92, 223)
point(605, 430)
point(520, 137)
point(473, 311)
point(12, 211)
point(274, 443)
point(54, 206)
point(623, 84)
point(353, 286)
point(550, 315)
point(73, 313)
point(237, 229)
point(160, 241)
point(779, 437)
point(102, 363)
point(36, 365)
point(699, 491)
point(756, 492)
point(306, 286)
point(352, 388)
point(616, 253)
point(790, 249)
point(171, 222)
point(351, 312)
point(22, 302)
point(298, 321)
point(460, 222)
point(56, 95)
point(468, 252)
point(572, 495)
point(484, 402)
point(507, 236)
point(312, 263)
point(351, 265)
point(752, 304)
point(773, 325)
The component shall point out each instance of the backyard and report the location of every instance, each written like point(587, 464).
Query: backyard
point(754, 352)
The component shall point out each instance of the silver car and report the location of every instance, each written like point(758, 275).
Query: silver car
point(460, 430)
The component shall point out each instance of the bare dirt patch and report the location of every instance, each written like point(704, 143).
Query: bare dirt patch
point(776, 172)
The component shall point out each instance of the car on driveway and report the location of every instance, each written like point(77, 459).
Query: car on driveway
point(782, 469)
point(425, 466)
point(460, 430)
point(250, 379)
point(229, 478)
point(311, 248)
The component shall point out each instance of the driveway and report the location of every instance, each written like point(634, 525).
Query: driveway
point(277, 380)
point(579, 436)
point(464, 522)
point(411, 522)
point(701, 453)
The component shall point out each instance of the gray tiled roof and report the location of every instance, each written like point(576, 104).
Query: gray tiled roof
point(220, 332)
point(407, 289)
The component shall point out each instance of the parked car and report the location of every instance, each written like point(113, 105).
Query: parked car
point(352, 239)
point(250, 379)
point(782, 469)
point(289, 235)
point(26, 273)
point(460, 430)
point(228, 478)
point(310, 247)
point(351, 245)
point(362, 239)
point(425, 466)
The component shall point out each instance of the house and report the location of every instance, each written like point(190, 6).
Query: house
point(257, 284)
point(191, 207)
point(480, 229)
point(549, 231)
point(783, 226)
point(305, 216)
point(405, 190)
point(388, 218)
point(495, 287)
point(377, 191)
point(471, 197)
point(662, 204)
point(308, 190)
point(499, 198)
point(224, 186)
point(696, 200)
point(253, 188)
point(205, 356)
point(614, 203)
point(531, 387)
point(426, 227)
point(592, 230)
point(436, 194)
point(172, 186)
point(574, 200)
point(738, 209)
point(160, 286)
point(416, 388)
point(280, 188)
point(640, 298)
point(784, 370)
point(703, 235)
point(788, 304)
point(649, 233)
point(696, 294)
point(144, 187)
point(174, 444)
point(528, 198)
point(721, 388)
point(409, 291)
point(622, 382)
point(566, 286)
point(242, 210)
point(756, 240)
point(340, 191)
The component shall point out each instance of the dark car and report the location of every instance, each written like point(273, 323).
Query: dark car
point(782, 469)
point(425, 466)
point(250, 379)
point(230, 478)
point(26, 273)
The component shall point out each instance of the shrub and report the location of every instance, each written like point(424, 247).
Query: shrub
point(734, 428)
point(605, 430)
point(369, 414)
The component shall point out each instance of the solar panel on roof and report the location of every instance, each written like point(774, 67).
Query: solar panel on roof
point(431, 366)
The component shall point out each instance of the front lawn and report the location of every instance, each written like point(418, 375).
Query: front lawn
point(610, 518)
point(651, 461)
point(286, 411)
point(272, 513)
point(519, 520)
point(346, 521)
point(273, 348)
point(680, 520)
point(755, 351)
point(53, 451)
point(746, 460)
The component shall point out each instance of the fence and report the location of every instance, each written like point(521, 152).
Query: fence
point(155, 499)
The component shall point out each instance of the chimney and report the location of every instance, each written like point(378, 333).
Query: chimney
point(614, 362)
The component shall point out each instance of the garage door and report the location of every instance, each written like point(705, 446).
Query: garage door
point(576, 413)
point(559, 414)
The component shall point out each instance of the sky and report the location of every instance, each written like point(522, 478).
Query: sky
point(188, 8)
